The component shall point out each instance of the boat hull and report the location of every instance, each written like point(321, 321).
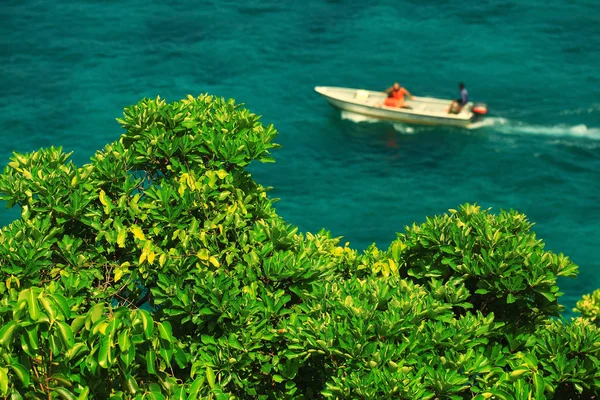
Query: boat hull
point(424, 111)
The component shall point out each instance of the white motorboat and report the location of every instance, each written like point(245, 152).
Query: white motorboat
point(422, 110)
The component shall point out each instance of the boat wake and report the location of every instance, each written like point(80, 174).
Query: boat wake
point(354, 117)
point(509, 127)
point(592, 109)
point(409, 130)
point(500, 125)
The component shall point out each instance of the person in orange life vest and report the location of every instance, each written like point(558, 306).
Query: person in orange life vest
point(391, 101)
point(397, 93)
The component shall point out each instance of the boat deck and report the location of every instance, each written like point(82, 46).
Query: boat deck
point(425, 106)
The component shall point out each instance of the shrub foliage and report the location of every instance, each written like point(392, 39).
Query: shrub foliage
point(161, 270)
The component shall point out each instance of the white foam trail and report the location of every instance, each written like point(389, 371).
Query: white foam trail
point(409, 130)
point(486, 122)
point(519, 128)
point(593, 108)
point(349, 115)
point(501, 125)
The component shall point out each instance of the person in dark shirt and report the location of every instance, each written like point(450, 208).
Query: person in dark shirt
point(458, 104)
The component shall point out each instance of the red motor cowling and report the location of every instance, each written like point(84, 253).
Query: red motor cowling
point(479, 109)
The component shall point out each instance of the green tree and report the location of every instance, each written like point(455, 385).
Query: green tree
point(161, 270)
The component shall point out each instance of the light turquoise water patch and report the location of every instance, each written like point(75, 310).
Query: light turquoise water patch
point(67, 71)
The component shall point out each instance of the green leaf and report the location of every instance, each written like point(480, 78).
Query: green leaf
point(66, 334)
point(64, 393)
point(77, 323)
point(180, 358)
point(207, 339)
point(32, 336)
point(499, 394)
point(55, 344)
point(447, 249)
point(129, 356)
point(6, 333)
point(179, 394)
point(530, 360)
point(96, 312)
point(21, 373)
point(539, 383)
point(15, 395)
point(154, 387)
point(3, 381)
point(195, 388)
point(510, 298)
point(165, 331)
point(33, 305)
point(396, 247)
point(210, 377)
point(48, 306)
point(549, 296)
point(63, 304)
point(151, 361)
point(132, 385)
point(104, 353)
point(124, 341)
point(147, 322)
point(84, 394)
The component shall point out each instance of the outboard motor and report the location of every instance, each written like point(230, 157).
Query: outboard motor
point(478, 110)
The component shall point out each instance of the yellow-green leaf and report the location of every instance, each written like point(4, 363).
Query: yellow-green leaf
point(84, 394)
point(103, 198)
point(3, 381)
point(48, 307)
point(210, 377)
point(137, 232)
point(121, 236)
point(203, 254)
point(96, 312)
point(151, 256)
point(118, 274)
point(212, 179)
point(77, 324)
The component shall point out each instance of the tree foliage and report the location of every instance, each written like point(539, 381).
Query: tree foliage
point(161, 270)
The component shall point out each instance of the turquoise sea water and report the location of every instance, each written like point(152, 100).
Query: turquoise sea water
point(68, 70)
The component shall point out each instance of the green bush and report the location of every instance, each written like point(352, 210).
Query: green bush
point(589, 306)
point(161, 270)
